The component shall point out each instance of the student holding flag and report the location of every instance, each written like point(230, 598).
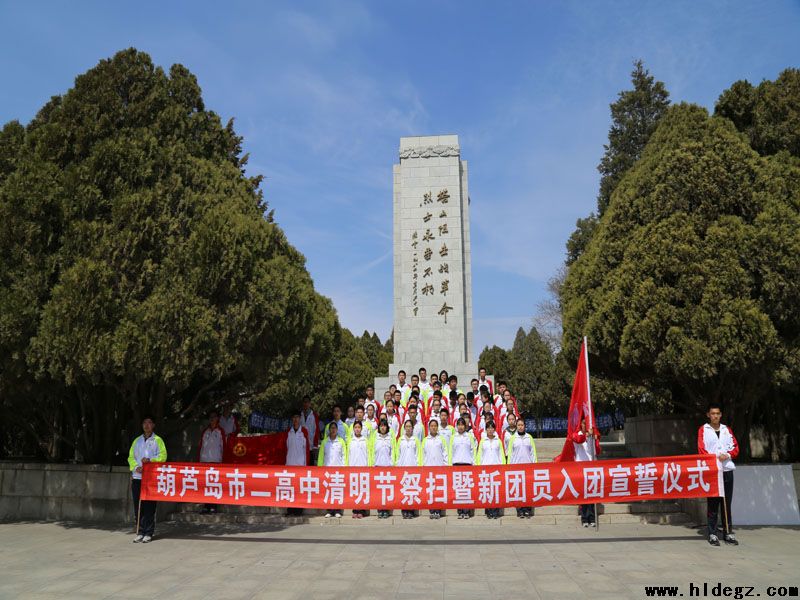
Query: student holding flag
point(586, 446)
point(583, 438)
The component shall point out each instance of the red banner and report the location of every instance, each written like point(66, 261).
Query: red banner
point(414, 488)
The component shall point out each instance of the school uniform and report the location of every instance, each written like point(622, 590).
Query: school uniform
point(419, 430)
point(491, 451)
point(298, 453)
point(342, 429)
point(310, 420)
point(212, 445)
point(394, 423)
point(152, 448)
point(381, 454)
point(522, 450)
point(333, 453)
point(446, 431)
point(358, 451)
point(462, 452)
point(435, 454)
point(586, 449)
point(408, 453)
point(711, 441)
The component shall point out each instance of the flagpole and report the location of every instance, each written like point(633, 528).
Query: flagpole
point(591, 420)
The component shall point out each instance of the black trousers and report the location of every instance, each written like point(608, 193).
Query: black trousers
point(147, 518)
point(715, 503)
point(587, 513)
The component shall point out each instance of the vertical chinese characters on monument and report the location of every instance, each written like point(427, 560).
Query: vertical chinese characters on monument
point(428, 234)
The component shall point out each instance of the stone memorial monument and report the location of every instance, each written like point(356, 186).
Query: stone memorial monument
point(432, 271)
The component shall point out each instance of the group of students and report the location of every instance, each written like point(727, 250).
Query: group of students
point(476, 433)
point(414, 426)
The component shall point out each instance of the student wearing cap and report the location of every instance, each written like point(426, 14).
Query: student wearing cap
point(146, 448)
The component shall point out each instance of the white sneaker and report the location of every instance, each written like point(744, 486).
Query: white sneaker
point(138, 539)
point(585, 524)
point(338, 515)
point(328, 515)
point(592, 524)
point(147, 539)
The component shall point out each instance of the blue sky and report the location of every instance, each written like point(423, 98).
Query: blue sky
point(322, 92)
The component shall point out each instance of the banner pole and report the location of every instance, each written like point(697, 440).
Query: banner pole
point(591, 422)
point(725, 513)
point(139, 512)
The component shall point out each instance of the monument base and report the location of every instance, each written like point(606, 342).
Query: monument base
point(464, 371)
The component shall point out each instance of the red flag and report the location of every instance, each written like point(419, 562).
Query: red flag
point(580, 405)
point(266, 449)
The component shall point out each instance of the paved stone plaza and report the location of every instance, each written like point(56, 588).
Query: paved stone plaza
point(422, 559)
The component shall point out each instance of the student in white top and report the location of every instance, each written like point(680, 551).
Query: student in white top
point(229, 422)
point(371, 401)
point(408, 453)
point(333, 453)
point(362, 417)
point(509, 429)
point(392, 418)
point(358, 449)
point(718, 439)
point(403, 387)
point(310, 420)
point(483, 381)
point(212, 445)
point(298, 451)
point(462, 452)
point(491, 452)
point(372, 419)
point(445, 429)
point(416, 424)
point(434, 454)
point(424, 384)
point(381, 454)
point(351, 416)
point(522, 450)
point(586, 445)
point(344, 430)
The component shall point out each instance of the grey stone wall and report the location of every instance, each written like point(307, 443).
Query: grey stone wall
point(661, 435)
point(55, 492)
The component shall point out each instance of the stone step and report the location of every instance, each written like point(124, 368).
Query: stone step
point(671, 518)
